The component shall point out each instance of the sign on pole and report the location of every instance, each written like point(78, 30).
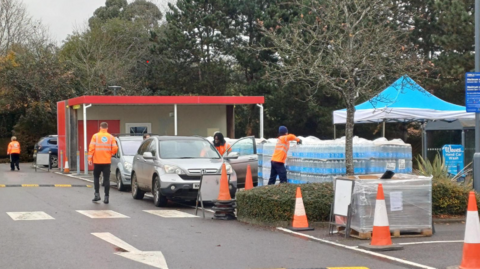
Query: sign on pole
point(472, 92)
point(453, 156)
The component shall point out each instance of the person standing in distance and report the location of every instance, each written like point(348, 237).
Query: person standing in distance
point(100, 151)
point(280, 155)
point(14, 152)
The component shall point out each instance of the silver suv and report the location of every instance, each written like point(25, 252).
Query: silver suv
point(171, 167)
point(121, 168)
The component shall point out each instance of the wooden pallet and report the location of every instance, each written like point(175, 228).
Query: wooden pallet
point(393, 233)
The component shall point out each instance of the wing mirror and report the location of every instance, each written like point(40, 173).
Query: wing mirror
point(231, 155)
point(148, 156)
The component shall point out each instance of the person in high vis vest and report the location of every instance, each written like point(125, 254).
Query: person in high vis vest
point(280, 155)
point(220, 144)
point(102, 147)
point(14, 152)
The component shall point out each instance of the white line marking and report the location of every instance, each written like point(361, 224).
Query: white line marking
point(357, 249)
point(152, 258)
point(112, 239)
point(102, 214)
point(199, 208)
point(170, 214)
point(432, 242)
point(35, 215)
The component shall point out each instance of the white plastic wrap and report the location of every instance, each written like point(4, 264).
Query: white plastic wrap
point(408, 199)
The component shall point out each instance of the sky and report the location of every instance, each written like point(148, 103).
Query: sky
point(63, 16)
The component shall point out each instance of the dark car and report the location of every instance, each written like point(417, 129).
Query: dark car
point(46, 144)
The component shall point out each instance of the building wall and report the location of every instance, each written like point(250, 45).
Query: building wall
point(192, 119)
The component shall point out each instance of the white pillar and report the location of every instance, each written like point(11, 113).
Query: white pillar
point(175, 119)
point(261, 120)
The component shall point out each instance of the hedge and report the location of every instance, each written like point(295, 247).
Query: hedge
point(274, 205)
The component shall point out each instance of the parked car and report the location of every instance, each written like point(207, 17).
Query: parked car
point(121, 168)
point(171, 168)
point(46, 144)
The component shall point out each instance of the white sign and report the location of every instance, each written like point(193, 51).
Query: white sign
point(390, 166)
point(343, 196)
point(396, 201)
point(152, 258)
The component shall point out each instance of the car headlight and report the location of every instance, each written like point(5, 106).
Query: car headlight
point(229, 168)
point(172, 169)
point(128, 166)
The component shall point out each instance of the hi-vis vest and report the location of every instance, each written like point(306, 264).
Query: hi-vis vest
point(102, 147)
point(221, 149)
point(13, 147)
point(281, 149)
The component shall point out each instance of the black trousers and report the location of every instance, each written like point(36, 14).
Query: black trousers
point(280, 170)
point(14, 161)
point(105, 170)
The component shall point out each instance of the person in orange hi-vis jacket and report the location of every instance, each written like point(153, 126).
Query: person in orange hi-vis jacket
point(220, 144)
point(102, 147)
point(14, 152)
point(280, 155)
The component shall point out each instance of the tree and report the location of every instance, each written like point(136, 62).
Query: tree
point(349, 48)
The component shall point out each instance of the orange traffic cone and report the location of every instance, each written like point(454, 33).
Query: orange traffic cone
point(300, 222)
point(66, 169)
point(248, 179)
point(381, 240)
point(224, 193)
point(471, 244)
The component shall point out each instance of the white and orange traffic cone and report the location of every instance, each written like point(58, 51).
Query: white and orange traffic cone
point(66, 169)
point(381, 240)
point(471, 243)
point(248, 179)
point(300, 222)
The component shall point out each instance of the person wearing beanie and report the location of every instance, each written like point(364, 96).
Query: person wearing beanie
point(280, 155)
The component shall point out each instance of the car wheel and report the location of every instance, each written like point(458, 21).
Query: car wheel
point(136, 192)
point(120, 185)
point(53, 161)
point(158, 198)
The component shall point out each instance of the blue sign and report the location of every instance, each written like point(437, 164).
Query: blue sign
point(453, 156)
point(472, 92)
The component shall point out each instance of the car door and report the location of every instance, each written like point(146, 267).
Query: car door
point(150, 164)
point(115, 160)
point(247, 152)
point(140, 163)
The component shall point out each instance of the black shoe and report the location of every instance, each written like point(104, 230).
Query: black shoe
point(96, 198)
point(105, 200)
point(18, 168)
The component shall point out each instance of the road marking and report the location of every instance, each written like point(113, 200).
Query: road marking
point(152, 258)
point(199, 207)
point(170, 214)
point(356, 249)
point(2, 186)
point(432, 242)
point(30, 185)
point(35, 215)
point(102, 214)
point(63, 185)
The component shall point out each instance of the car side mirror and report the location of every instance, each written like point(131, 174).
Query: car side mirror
point(232, 155)
point(148, 156)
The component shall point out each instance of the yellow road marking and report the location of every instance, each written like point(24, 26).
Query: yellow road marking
point(89, 186)
point(63, 185)
point(2, 186)
point(30, 185)
point(347, 267)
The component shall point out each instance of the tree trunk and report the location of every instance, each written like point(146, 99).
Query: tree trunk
point(349, 138)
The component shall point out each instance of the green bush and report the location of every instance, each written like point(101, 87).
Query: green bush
point(274, 205)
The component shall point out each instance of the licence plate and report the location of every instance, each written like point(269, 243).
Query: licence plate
point(196, 186)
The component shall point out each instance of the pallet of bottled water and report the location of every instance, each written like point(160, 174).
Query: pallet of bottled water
point(322, 160)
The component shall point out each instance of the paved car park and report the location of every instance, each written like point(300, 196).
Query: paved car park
point(59, 227)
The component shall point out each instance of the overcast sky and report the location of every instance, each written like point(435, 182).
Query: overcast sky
point(62, 16)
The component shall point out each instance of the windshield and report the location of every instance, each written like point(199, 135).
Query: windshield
point(187, 149)
point(130, 147)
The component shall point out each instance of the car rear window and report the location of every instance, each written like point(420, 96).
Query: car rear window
point(130, 147)
point(52, 141)
point(187, 149)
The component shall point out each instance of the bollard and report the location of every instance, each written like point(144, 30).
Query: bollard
point(78, 162)
point(61, 160)
point(85, 164)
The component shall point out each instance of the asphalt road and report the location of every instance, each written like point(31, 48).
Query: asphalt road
point(67, 241)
